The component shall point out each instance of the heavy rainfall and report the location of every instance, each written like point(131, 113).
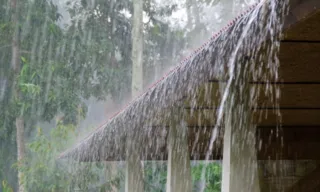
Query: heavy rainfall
point(138, 95)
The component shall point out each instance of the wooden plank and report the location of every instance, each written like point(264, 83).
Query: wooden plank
point(299, 10)
point(287, 134)
point(289, 142)
point(289, 151)
point(291, 96)
point(207, 117)
point(206, 96)
point(308, 27)
point(297, 147)
point(275, 151)
point(308, 183)
point(299, 62)
point(290, 117)
point(294, 96)
point(198, 140)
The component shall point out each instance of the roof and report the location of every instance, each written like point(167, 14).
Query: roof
point(186, 88)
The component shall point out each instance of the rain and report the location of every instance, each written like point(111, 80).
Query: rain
point(143, 95)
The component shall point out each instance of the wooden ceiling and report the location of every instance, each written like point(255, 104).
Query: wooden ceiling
point(300, 88)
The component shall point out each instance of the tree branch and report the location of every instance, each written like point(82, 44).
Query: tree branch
point(24, 51)
point(5, 46)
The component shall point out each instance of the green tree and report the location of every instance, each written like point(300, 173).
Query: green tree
point(213, 175)
point(6, 187)
point(44, 173)
point(49, 77)
point(56, 69)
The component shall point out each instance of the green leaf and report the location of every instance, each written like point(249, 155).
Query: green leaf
point(24, 60)
point(156, 30)
point(23, 71)
point(6, 187)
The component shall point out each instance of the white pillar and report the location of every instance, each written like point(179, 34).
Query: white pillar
point(179, 168)
point(240, 166)
point(134, 170)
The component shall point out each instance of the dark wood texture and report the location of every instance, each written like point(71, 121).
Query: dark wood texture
point(309, 183)
point(300, 62)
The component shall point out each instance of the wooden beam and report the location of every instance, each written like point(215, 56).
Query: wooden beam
point(303, 20)
point(292, 95)
point(299, 10)
point(261, 117)
point(298, 62)
point(308, 183)
point(292, 142)
point(294, 133)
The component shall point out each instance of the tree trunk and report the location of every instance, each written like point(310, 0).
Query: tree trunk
point(21, 150)
point(228, 12)
point(115, 101)
point(194, 25)
point(134, 171)
point(137, 48)
point(15, 64)
point(189, 18)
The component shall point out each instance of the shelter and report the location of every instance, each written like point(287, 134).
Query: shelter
point(180, 117)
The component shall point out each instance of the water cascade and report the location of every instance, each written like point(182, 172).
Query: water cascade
point(242, 60)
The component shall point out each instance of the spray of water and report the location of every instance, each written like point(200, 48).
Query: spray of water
point(261, 30)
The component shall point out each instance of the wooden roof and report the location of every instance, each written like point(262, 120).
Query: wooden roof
point(148, 116)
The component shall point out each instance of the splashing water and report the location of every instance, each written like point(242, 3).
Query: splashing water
point(264, 24)
point(227, 58)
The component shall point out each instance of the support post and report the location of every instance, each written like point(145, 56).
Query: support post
point(134, 170)
point(240, 166)
point(179, 168)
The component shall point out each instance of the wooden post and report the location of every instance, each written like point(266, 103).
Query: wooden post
point(179, 168)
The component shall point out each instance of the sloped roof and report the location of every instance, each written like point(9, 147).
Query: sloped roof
point(148, 116)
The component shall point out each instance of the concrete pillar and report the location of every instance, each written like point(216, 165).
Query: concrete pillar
point(179, 168)
point(112, 173)
point(240, 167)
point(134, 170)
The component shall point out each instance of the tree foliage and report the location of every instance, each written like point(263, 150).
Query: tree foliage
point(61, 67)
